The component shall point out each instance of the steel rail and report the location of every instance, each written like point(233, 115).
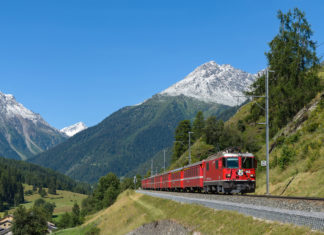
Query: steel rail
point(282, 197)
point(258, 195)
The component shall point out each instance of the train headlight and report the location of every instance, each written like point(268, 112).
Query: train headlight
point(228, 175)
point(252, 176)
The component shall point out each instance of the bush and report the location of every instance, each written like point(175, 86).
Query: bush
point(292, 139)
point(274, 161)
point(321, 103)
point(312, 127)
point(280, 140)
point(29, 192)
point(240, 126)
point(287, 155)
point(31, 221)
point(65, 221)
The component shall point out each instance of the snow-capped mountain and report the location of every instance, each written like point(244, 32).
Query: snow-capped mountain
point(74, 129)
point(10, 108)
point(215, 83)
point(23, 133)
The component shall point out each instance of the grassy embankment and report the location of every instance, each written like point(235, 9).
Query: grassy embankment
point(64, 200)
point(132, 210)
point(300, 145)
point(296, 161)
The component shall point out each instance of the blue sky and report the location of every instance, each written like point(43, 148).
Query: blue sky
point(75, 60)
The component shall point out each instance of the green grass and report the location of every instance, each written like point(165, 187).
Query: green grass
point(306, 165)
point(132, 210)
point(63, 200)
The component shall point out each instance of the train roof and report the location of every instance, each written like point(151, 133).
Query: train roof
point(178, 169)
point(193, 164)
point(229, 154)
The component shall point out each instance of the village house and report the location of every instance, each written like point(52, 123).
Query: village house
point(5, 225)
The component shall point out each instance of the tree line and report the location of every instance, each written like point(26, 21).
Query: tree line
point(14, 173)
point(295, 79)
point(213, 132)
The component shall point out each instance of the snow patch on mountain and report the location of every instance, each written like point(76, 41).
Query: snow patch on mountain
point(211, 82)
point(10, 108)
point(74, 129)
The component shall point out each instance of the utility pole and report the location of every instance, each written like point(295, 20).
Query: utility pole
point(266, 108)
point(267, 125)
point(164, 160)
point(189, 147)
point(152, 167)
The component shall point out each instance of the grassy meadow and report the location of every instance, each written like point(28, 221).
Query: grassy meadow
point(63, 200)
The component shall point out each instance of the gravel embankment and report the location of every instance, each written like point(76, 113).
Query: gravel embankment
point(163, 227)
point(306, 213)
point(289, 204)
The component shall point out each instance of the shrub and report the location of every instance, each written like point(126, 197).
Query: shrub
point(321, 103)
point(292, 139)
point(312, 127)
point(240, 126)
point(274, 162)
point(287, 155)
point(280, 140)
point(29, 192)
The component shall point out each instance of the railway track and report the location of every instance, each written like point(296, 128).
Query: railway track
point(303, 211)
point(283, 197)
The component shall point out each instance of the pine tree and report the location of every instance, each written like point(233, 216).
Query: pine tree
point(213, 131)
point(181, 139)
point(52, 187)
point(76, 216)
point(293, 57)
point(198, 125)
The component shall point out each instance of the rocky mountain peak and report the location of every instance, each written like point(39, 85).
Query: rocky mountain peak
point(74, 129)
point(215, 83)
point(10, 108)
point(23, 132)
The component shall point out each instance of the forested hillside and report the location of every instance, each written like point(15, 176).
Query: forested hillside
point(126, 139)
point(14, 173)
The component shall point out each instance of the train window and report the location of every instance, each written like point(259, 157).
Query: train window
point(224, 162)
point(207, 166)
point(247, 162)
point(231, 162)
point(216, 164)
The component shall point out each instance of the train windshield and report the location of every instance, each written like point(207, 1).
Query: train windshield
point(231, 162)
point(247, 162)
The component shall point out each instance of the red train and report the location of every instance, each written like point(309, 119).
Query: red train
point(221, 173)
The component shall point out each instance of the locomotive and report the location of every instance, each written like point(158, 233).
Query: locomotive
point(224, 172)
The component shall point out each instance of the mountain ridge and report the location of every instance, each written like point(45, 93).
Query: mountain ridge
point(215, 83)
point(24, 133)
point(73, 129)
point(125, 140)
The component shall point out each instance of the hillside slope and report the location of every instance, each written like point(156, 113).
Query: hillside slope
point(297, 155)
point(40, 176)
